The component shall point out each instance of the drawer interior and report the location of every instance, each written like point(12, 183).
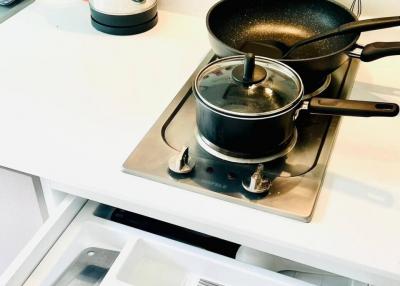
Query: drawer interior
point(150, 252)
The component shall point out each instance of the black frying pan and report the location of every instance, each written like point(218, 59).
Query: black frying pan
point(238, 27)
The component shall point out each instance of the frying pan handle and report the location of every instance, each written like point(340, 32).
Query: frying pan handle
point(379, 50)
point(352, 27)
point(370, 24)
point(331, 106)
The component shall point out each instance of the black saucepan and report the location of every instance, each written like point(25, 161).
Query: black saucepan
point(239, 27)
point(247, 106)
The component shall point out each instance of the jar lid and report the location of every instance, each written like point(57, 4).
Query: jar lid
point(248, 86)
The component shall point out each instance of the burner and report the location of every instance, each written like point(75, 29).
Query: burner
point(321, 89)
point(230, 156)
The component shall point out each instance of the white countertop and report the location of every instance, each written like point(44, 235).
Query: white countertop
point(75, 102)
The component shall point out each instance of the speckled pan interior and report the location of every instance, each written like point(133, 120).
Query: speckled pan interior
point(236, 23)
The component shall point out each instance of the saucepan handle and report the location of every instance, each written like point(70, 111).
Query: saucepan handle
point(331, 106)
point(379, 50)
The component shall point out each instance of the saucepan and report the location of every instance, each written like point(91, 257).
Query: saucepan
point(238, 27)
point(246, 106)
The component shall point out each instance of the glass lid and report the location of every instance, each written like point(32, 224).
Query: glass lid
point(248, 86)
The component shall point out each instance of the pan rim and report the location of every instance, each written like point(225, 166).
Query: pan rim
point(234, 51)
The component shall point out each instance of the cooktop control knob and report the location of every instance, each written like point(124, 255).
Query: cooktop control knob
point(257, 183)
point(181, 163)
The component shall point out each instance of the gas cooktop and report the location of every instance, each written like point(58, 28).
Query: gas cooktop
point(294, 180)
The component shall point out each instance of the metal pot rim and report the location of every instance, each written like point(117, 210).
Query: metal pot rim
point(261, 115)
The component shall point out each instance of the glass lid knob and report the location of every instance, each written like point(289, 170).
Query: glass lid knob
point(249, 73)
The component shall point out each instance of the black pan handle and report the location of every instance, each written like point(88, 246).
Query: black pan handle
point(369, 25)
point(351, 27)
point(331, 106)
point(379, 50)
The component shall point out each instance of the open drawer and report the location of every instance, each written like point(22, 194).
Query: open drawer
point(81, 245)
point(141, 258)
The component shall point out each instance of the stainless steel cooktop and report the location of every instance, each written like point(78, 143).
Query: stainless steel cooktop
point(295, 179)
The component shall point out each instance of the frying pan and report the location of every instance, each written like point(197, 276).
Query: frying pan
point(239, 27)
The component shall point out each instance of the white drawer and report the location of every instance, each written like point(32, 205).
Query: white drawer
point(145, 259)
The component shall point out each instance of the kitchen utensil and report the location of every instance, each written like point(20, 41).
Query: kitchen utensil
point(357, 3)
point(123, 17)
point(238, 27)
point(175, 232)
point(352, 27)
point(89, 268)
point(203, 282)
point(246, 107)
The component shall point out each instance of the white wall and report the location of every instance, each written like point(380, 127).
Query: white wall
point(20, 214)
point(200, 7)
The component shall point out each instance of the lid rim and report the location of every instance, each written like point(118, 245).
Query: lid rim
point(258, 115)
